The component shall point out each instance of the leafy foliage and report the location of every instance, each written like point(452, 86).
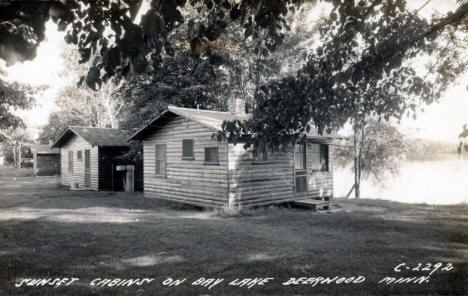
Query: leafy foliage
point(180, 81)
point(17, 138)
point(13, 95)
point(80, 105)
point(378, 149)
point(361, 67)
point(464, 133)
point(364, 67)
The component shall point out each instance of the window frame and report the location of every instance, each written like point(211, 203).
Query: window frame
point(156, 173)
point(217, 156)
point(79, 155)
point(192, 157)
point(323, 156)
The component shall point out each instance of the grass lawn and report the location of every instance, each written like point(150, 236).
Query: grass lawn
point(49, 232)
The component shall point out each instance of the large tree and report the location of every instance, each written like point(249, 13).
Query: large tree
point(364, 46)
point(16, 145)
point(364, 66)
point(78, 104)
point(13, 96)
point(237, 70)
point(376, 149)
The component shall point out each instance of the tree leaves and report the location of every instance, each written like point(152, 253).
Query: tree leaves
point(13, 96)
point(93, 78)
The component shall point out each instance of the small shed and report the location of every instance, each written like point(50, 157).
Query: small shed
point(46, 160)
point(89, 157)
point(183, 163)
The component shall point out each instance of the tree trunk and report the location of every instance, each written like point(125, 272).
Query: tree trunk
point(357, 191)
point(15, 161)
point(19, 155)
point(350, 191)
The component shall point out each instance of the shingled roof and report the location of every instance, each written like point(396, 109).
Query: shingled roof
point(208, 118)
point(102, 137)
point(211, 119)
point(44, 149)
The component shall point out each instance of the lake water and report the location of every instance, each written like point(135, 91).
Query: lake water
point(440, 181)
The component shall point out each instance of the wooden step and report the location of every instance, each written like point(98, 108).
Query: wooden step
point(314, 204)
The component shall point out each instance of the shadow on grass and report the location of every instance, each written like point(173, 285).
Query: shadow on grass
point(57, 233)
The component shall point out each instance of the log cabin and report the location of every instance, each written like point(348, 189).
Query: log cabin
point(183, 163)
point(46, 160)
point(88, 157)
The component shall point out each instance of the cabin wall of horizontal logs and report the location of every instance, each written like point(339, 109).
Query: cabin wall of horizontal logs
point(253, 183)
point(187, 181)
point(236, 180)
point(76, 144)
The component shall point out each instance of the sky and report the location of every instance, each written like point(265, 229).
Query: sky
point(42, 71)
point(441, 121)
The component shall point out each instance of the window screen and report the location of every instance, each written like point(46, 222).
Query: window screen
point(70, 161)
point(299, 157)
point(319, 157)
point(187, 149)
point(300, 167)
point(301, 183)
point(160, 157)
point(211, 155)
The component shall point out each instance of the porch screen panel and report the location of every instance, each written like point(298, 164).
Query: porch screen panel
point(300, 168)
point(299, 157)
point(319, 157)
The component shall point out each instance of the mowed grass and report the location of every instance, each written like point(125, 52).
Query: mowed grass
point(47, 231)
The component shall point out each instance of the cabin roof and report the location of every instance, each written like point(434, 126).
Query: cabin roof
point(104, 137)
point(210, 119)
point(44, 149)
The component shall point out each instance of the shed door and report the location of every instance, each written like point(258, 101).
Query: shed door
point(87, 169)
point(300, 168)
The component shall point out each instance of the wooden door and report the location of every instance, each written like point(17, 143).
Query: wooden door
point(300, 168)
point(87, 169)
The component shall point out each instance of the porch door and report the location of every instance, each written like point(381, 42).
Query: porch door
point(300, 168)
point(87, 169)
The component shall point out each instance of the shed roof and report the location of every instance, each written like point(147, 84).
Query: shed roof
point(44, 149)
point(210, 119)
point(104, 137)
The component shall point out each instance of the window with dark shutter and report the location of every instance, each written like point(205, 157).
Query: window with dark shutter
point(70, 161)
point(79, 155)
point(187, 149)
point(324, 157)
point(211, 155)
point(160, 160)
